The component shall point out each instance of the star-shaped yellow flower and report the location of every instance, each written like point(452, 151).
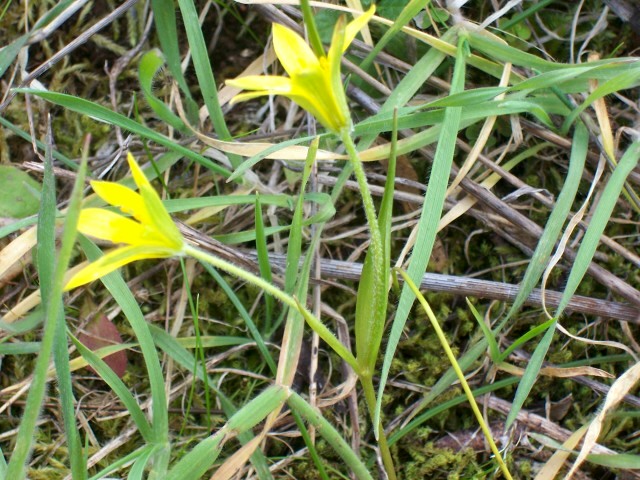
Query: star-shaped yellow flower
point(314, 81)
point(151, 233)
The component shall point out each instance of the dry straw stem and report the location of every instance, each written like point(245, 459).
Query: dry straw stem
point(619, 389)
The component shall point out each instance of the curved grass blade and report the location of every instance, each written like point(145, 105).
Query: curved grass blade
point(204, 72)
point(16, 468)
point(556, 220)
point(195, 463)
point(588, 246)
point(98, 112)
point(164, 16)
point(118, 387)
point(131, 310)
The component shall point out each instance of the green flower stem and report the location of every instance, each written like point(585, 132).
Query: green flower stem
point(367, 347)
point(288, 300)
point(367, 363)
point(367, 201)
point(385, 453)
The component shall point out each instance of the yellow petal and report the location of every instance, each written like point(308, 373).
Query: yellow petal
point(356, 25)
point(137, 173)
point(292, 51)
point(243, 97)
point(261, 82)
point(114, 260)
point(160, 227)
point(107, 225)
point(122, 197)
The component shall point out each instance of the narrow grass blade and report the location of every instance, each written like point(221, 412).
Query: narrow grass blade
point(237, 303)
point(625, 80)
point(556, 220)
point(98, 112)
point(408, 86)
point(124, 461)
point(408, 13)
point(3, 465)
point(329, 433)
point(494, 350)
point(17, 465)
point(588, 246)
point(297, 280)
point(164, 16)
point(263, 263)
point(312, 30)
point(459, 373)
point(185, 359)
point(60, 345)
point(308, 441)
point(204, 72)
point(429, 218)
point(138, 468)
point(198, 349)
point(437, 410)
point(119, 388)
point(195, 463)
point(131, 310)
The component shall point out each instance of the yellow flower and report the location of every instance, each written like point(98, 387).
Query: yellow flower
point(150, 234)
point(314, 82)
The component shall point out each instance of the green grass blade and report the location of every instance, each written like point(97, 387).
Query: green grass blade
point(131, 310)
point(3, 465)
point(534, 332)
point(329, 433)
point(443, 407)
point(195, 463)
point(103, 114)
point(429, 218)
point(530, 375)
point(459, 373)
point(164, 16)
point(313, 452)
point(17, 465)
point(123, 462)
point(182, 357)
point(297, 279)
point(119, 388)
point(308, 19)
point(494, 350)
point(408, 86)
point(588, 246)
point(626, 80)
point(556, 220)
point(46, 248)
point(599, 220)
point(407, 14)
point(237, 303)
point(263, 263)
point(138, 468)
point(204, 72)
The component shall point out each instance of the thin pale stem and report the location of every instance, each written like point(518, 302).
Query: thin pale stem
point(456, 367)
